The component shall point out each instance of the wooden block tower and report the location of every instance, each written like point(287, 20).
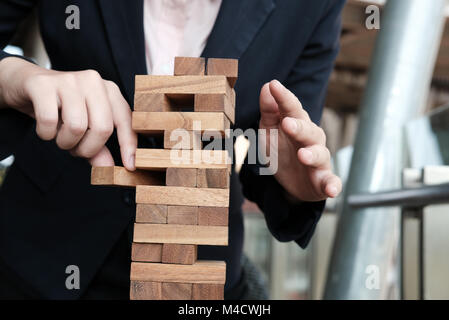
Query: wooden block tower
point(184, 203)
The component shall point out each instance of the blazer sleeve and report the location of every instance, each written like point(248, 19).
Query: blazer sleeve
point(13, 124)
point(308, 80)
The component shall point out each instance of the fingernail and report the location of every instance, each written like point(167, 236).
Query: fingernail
point(307, 155)
point(333, 191)
point(131, 161)
point(291, 124)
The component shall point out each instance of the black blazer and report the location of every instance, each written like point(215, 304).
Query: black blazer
point(50, 215)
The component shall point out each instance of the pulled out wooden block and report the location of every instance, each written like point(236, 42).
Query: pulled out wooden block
point(213, 178)
point(119, 176)
point(146, 252)
point(181, 234)
point(213, 216)
point(151, 213)
point(210, 102)
point(210, 272)
point(226, 67)
point(182, 139)
point(183, 196)
point(158, 122)
point(176, 291)
point(190, 66)
point(207, 291)
point(158, 159)
point(179, 253)
point(182, 215)
point(181, 177)
point(182, 84)
point(145, 290)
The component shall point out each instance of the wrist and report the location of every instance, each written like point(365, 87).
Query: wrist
point(13, 74)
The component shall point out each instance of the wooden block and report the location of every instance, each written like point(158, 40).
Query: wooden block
point(207, 102)
point(151, 213)
point(179, 253)
point(183, 84)
point(176, 291)
point(182, 215)
point(181, 177)
point(213, 216)
point(180, 234)
point(158, 122)
point(213, 178)
point(158, 159)
point(119, 176)
point(182, 139)
point(226, 67)
point(190, 66)
point(148, 101)
point(210, 272)
point(207, 291)
point(145, 290)
point(146, 252)
point(183, 196)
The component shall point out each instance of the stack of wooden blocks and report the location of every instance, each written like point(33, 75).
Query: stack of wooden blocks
point(179, 204)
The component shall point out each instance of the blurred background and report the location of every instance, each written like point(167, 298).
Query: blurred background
point(387, 121)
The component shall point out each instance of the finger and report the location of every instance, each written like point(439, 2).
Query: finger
point(102, 158)
point(121, 113)
point(269, 111)
point(46, 112)
point(316, 156)
point(303, 132)
point(331, 185)
point(74, 119)
point(289, 105)
point(100, 120)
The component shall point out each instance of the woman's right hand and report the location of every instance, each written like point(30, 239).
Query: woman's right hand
point(78, 109)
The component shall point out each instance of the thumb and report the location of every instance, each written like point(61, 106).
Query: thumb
point(269, 110)
point(102, 158)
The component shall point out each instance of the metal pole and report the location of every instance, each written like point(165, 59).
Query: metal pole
point(397, 89)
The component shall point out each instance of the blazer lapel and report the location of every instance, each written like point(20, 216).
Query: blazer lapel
point(237, 23)
point(124, 27)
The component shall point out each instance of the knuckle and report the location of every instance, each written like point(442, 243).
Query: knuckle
point(46, 120)
point(69, 79)
point(91, 75)
point(103, 130)
point(111, 85)
point(77, 127)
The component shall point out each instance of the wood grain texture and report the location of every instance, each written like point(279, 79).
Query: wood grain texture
point(226, 67)
point(181, 177)
point(158, 122)
point(182, 215)
point(179, 253)
point(213, 178)
point(182, 139)
point(207, 291)
point(119, 176)
point(190, 66)
point(207, 102)
point(151, 213)
point(145, 290)
point(183, 196)
point(181, 234)
point(158, 159)
point(182, 84)
point(148, 101)
point(146, 252)
point(213, 216)
point(176, 291)
point(209, 272)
